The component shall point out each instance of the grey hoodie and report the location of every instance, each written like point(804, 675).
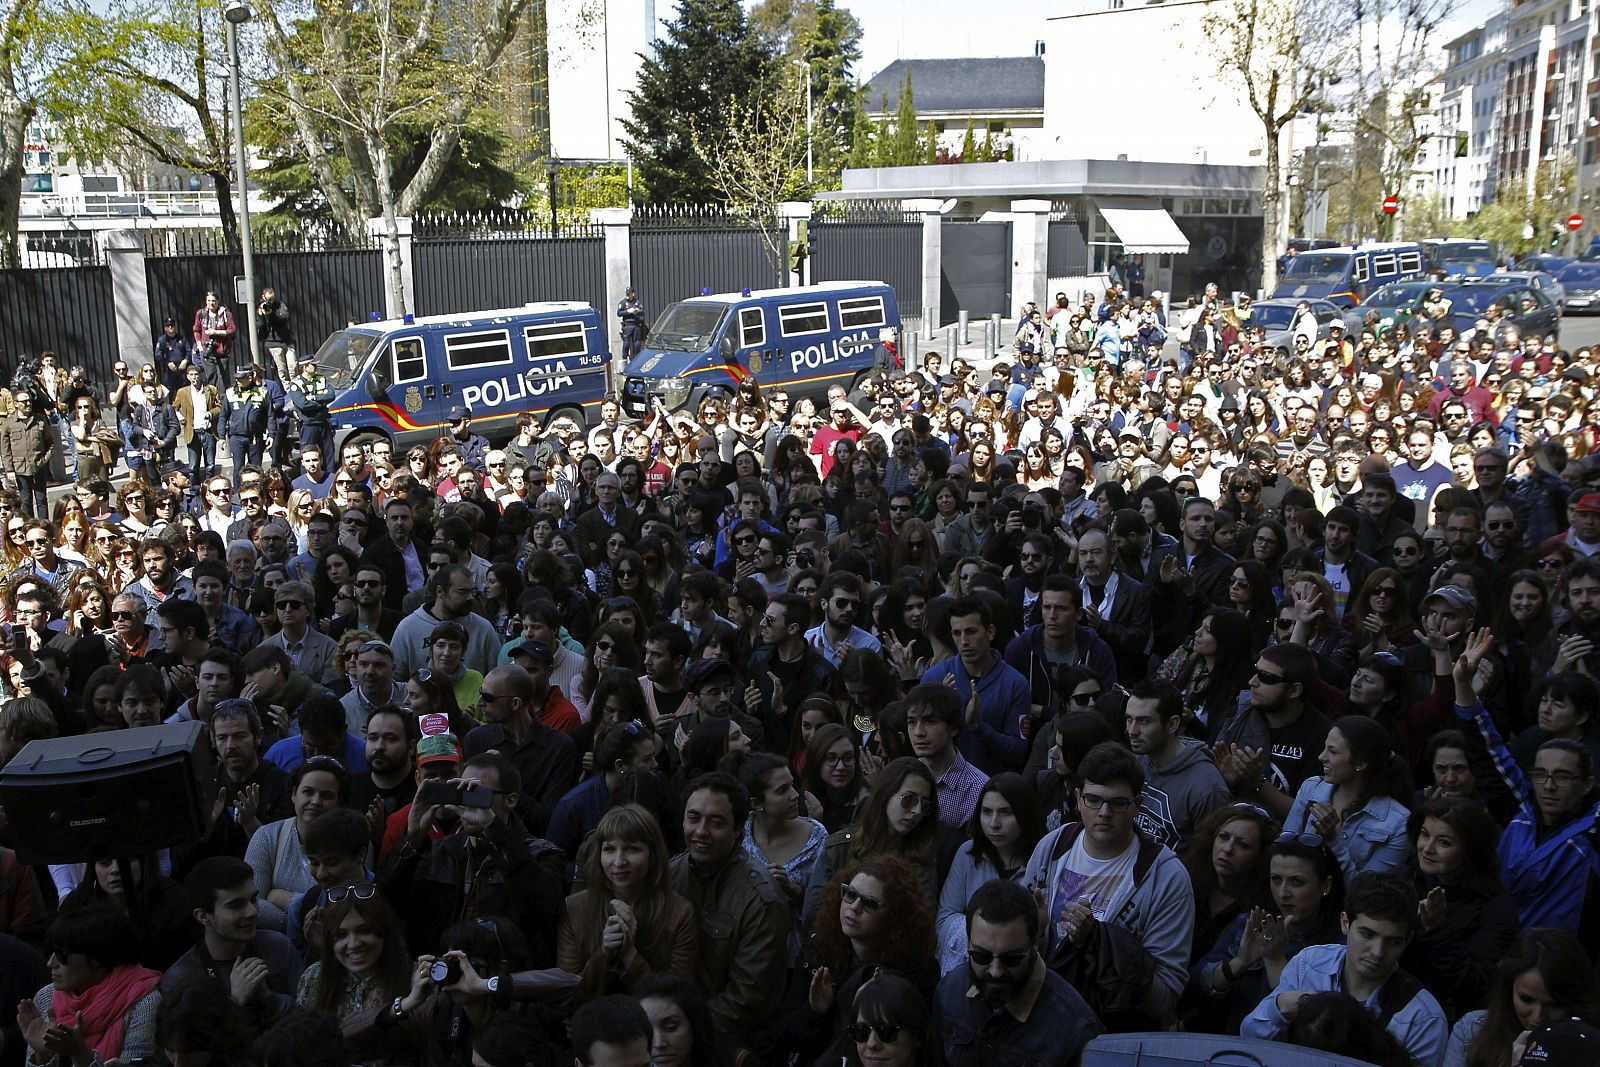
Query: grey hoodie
point(1177, 796)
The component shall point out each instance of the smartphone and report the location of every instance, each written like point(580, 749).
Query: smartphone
point(469, 796)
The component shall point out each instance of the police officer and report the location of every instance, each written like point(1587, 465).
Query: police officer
point(309, 395)
point(631, 312)
point(244, 420)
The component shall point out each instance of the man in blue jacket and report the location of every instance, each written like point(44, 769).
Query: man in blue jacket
point(1039, 652)
point(995, 741)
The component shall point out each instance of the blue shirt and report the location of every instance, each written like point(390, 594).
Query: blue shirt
point(289, 753)
point(1420, 1025)
point(1372, 839)
point(577, 813)
point(1003, 699)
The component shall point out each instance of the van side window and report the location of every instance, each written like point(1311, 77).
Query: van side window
point(555, 339)
point(1383, 265)
point(1361, 268)
point(799, 319)
point(860, 312)
point(752, 328)
point(410, 363)
point(486, 349)
point(1410, 262)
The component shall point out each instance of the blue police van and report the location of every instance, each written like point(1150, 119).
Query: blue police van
point(1345, 276)
point(803, 340)
point(1459, 257)
point(399, 378)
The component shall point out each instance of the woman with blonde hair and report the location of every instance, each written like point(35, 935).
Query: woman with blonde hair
point(302, 505)
point(73, 540)
point(628, 923)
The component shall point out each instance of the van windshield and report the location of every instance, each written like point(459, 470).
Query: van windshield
point(1465, 252)
point(1314, 267)
point(343, 355)
point(687, 327)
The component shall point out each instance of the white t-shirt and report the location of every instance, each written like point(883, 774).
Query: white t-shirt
point(1106, 885)
point(1338, 575)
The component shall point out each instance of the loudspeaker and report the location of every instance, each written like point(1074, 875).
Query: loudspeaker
point(123, 792)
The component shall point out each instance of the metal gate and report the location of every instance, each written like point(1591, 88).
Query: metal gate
point(888, 251)
point(974, 270)
point(67, 310)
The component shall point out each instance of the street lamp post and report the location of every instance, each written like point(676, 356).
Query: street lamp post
point(235, 14)
point(805, 65)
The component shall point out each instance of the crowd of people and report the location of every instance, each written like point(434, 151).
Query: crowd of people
point(948, 718)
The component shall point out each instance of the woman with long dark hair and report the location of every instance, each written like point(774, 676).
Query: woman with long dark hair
point(1212, 669)
point(617, 699)
point(1545, 977)
point(1568, 706)
point(1380, 614)
point(1250, 594)
point(1467, 919)
point(778, 836)
point(154, 903)
point(627, 923)
point(361, 956)
point(1227, 864)
point(611, 647)
point(1358, 803)
point(1006, 825)
point(863, 685)
point(889, 1026)
point(902, 622)
point(1523, 620)
point(834, 776)
point(684, 1035)
point(899, 817)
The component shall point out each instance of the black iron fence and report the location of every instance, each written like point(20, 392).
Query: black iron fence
point(68, 310)
point(477, 273)
point(888, 251)
point(1068, 253)
point(671, 264)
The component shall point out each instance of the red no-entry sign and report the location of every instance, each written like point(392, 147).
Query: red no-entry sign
point(1391, 204)
point(1574, 222)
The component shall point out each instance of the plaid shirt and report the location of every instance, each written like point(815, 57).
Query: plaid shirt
point(958, 790)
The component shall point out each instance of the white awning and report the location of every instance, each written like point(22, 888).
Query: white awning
point(1143, 226)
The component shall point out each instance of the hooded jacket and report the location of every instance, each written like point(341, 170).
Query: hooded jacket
point(1181, 793)
point(1026, 654)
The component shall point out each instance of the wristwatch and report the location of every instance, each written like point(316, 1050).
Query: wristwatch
point(398, 1009)
point(494, 985)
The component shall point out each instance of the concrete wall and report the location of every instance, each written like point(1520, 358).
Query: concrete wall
point(1155, 63)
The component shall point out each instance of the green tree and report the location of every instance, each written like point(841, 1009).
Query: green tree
point(828, 39)
point(863, 137)
point(930, 144)
point(969, 145)
point(905, 149)
point(986, 153)
point(707, 59)
point(37, 40)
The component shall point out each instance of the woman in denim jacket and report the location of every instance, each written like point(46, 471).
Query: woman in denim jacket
point(1357, 805)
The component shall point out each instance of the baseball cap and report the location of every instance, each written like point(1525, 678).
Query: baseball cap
point(438, 748)
point(1336, 326)
point(1453, 595)
point(1588, 502)
point(1566, 1043)
point(704, 671)
point(1130, 431)
point(537, 649)
point(457, 413)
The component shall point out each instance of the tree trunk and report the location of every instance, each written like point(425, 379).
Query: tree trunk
point(15, 114)
point(1271, 214)
point(230, 219)
point(391, 228)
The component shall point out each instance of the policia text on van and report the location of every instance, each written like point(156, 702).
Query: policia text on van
point(399, 378)
point(803, 339)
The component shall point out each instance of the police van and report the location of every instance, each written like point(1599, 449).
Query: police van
point(803, 340)
point(399, 378)
point(1344, 276)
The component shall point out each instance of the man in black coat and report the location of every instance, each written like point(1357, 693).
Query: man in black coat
point(1191, 574)
point(398, 553)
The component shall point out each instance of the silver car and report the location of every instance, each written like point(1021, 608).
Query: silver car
point(1533, 279)
point(1276, 317)
point(1582, 282)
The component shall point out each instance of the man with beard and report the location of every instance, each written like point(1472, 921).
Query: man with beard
point(1115, 606)
point(1575, 644)
point(545, 759)
point(1379, 920)
point(838, 635)
point(1272, 743)
point(453, 592)
point(1103, 873)
point(438, 759)
point(259, 968)
point(250, 791)
point(1035, 556)
point(1502, 543)
point(1182, 784)
point(1020, 1010)
point(391, 735)
point(160, 580)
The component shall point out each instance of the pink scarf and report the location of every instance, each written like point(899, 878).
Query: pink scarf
point(102, 1008)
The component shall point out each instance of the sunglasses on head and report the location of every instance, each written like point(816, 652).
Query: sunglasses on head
point(363, 891)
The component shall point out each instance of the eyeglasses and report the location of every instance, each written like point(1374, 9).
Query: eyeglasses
point(624, 572)
point(1540, 776)
point(912, 801)
point(368, 583)
point(861, 1033)
point(1290, 837)
point(363, 891)
point(484, 695)
point(352, 520)
point(745, 540)
point(839, 759)
point(290, 605)
point(37, 542)
point(853, 897)
point(124, 615)
point(222, 491)
point(1385, 590)
point(1239, 582)
point(843, 602)
point(1549, 564)
point(1083, 700)
point(1009, 960)
point(1267, 677)
point(1094, 802)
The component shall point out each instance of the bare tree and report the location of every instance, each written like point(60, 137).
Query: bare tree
point(757, 157)
point(1279, 52)
point(35, 36)
point(366, 70)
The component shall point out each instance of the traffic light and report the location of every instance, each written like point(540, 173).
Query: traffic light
point(797, 256)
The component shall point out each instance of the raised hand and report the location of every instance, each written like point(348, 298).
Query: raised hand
point(1432, 909)
point(820, 994)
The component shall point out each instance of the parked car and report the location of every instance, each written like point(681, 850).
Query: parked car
point(1528, 308)
point(1582, 282)
point(1394, 303)
point(1548, 262)
point(1544, 281)
point(1276, 316)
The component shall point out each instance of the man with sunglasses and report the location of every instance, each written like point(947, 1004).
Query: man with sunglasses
point(39, 538)
point(1104, 883)
point(1006, 1005)
point(314, 654)
point(837, 635)
point(1273, 741)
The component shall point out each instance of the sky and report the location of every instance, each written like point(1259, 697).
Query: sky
point(929, 29)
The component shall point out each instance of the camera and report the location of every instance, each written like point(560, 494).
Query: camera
point(805, 558)
point(446, 971)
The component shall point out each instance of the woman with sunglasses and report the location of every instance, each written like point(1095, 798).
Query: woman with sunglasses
point(1250, 594)
point(1545, 977)
point(1358, 804)
point(1072, 733)
point(100, 1005)
point(120, 565)
point(872, 918)
point(1379, 615)
point(628, 580)
point(627, 923)
point(1213, 667)
point(1007, 822)
point(612, 646)
point(361, 961)
point(1467, 919)
point(900, 818)
point(1307, 897)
